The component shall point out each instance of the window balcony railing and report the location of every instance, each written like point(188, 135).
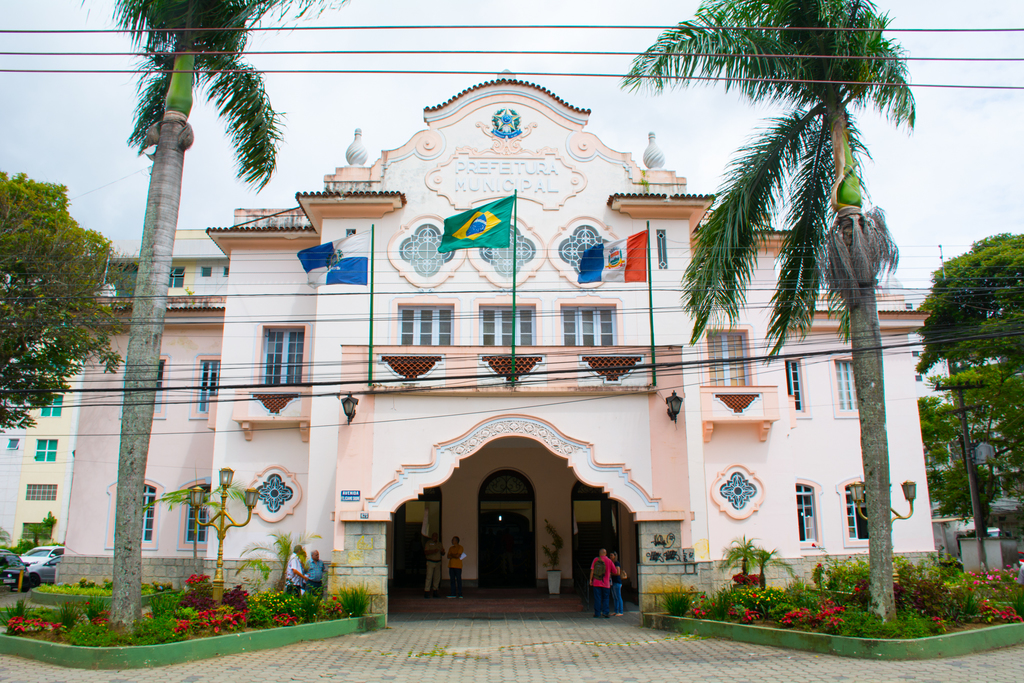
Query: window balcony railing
point(724, 405)
point(274, 406)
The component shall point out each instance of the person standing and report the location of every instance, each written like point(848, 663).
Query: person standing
point(315, 574)
point(295, 576)
point(455, 553)
point(432, 550)
point(601, 570)
point(617, 608)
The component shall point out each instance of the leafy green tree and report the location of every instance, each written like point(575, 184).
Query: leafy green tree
point(766, 559)
point(189, 45)
point(977, 294)
point(999, 423)
point(51, 320)
point(740, 554)
point(820, 59)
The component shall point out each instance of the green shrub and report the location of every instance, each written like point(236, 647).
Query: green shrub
point(677, 603)
point(18, 609)
point(89, 588)
point(760, 600)
point(355, 600)
point(164, 605)
point(154, 632)
point(843, 576)
point(68, 615)
point(94, 609)
point(862, 624)
point(306, 608)
point(87, 634)
point(1016, 601)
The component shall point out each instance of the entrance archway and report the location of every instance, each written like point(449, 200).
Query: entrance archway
point(595, 523)
point(408, 540)
point(506, 531)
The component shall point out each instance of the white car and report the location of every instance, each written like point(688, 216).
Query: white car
point(42, 554)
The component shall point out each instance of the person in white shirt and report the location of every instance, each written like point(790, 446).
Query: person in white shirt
point(295, 577)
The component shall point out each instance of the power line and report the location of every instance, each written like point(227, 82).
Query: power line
point(545, 74)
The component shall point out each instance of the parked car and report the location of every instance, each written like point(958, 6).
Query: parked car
point(9, 559)
point(42, 554)
point(40, 572)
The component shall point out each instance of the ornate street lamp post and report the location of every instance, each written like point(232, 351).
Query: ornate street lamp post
point(221, 521)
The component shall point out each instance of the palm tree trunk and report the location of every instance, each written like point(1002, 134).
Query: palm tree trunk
point(867, 374)
point(142, 361)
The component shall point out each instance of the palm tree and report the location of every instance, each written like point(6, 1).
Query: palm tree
point(820, 59)
point(766, 559)
point(188, 44)
point(740, 554)
point(277, 552)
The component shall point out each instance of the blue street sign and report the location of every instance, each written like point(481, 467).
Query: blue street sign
point(350, 496)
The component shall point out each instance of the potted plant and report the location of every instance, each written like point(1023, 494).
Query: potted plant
point(551, 553)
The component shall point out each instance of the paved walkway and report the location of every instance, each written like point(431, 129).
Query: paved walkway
point(532, 648)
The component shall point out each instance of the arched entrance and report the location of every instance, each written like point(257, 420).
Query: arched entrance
point(506, 531)
point(596, 523)
point(409, 562)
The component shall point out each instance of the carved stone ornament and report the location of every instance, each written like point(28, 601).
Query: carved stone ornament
point(737, 491)
point(280, 493)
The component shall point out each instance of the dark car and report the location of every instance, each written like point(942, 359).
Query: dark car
point(42, 572)
point(9, 559)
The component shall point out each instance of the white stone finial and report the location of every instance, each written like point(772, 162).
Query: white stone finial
point(355, 155)
point(506, 74)
point(653, 156)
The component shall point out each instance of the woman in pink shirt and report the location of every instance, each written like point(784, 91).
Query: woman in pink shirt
point(601, 571)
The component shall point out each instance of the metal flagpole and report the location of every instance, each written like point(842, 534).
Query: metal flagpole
point(515, 246)
point(650, 309)
point(369, 360)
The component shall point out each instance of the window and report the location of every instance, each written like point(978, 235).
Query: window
point(420, 250)
point(588, 326)
point(192, 534)
point(805, 513)
point(206, 271)
point(844, 385)
point(46, 450)
point(915, 354)
point(177, 277)
point(856, 524)
point(426, 326)
point(727, 350)
point(794, 384)
point(283, 357)
point(53, 410)
point(497, 326)
point(349, 232)
point(662, 242)
point(918, 378)
point(209, 375)
point(41, 492)
point(158, 398)
point(12, 444)
point(225, 271)
point(149, 516)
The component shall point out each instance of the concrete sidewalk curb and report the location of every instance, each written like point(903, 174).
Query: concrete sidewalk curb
point(41, 598)
point(948, 645)
point(145, 656)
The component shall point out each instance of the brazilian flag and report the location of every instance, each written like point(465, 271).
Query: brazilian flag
point(486, 226)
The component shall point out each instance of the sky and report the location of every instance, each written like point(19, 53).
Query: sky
point(955, 179)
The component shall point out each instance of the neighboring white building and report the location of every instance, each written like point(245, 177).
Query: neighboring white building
point(581, 439)
point(12, 446)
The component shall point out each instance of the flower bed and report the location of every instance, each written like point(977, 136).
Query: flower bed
point(931, 599)
point(179, 617)
point(91, 589)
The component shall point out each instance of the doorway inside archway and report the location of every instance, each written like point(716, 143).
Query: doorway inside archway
point(506, 531)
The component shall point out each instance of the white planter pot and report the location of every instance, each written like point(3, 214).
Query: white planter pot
point(554, 581)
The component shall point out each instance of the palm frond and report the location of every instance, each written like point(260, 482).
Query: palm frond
point(702, 48)
point(799, 282)
point(237, 89)
point(725, 247)
point(150, 108)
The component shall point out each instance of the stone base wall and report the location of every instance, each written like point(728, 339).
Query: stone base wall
point(363, 563)
point(174, 569)
point(658, 579)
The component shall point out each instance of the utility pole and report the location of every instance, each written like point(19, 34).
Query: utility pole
point(980, 530)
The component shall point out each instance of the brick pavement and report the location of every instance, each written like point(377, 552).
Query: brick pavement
point(528, 648)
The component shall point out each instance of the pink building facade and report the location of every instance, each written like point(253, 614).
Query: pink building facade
point(582, 439)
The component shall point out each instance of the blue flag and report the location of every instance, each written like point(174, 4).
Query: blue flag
point(341, 262)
